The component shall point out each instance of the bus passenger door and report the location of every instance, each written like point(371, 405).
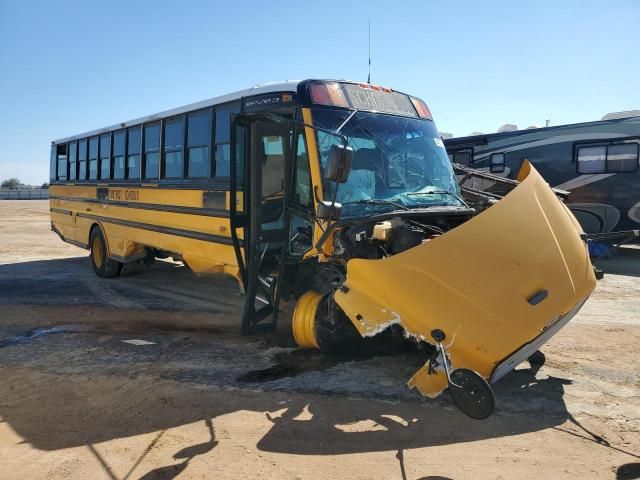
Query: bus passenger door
point(260, 156)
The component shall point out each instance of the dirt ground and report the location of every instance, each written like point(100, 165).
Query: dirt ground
point(146, 376)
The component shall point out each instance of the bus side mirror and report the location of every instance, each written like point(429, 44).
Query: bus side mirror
point(328, 210)
point(339, 163)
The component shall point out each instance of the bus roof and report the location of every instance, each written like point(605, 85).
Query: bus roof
point(287, 86)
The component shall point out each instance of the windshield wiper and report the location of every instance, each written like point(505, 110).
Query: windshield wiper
point(378, 201)
point(346, 121)
point(440, 192)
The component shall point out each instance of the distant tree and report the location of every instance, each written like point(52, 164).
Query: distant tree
point(44, 185)
point(11, 184)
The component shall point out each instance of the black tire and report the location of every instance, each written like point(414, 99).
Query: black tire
point(472, 394)
point(104, 266)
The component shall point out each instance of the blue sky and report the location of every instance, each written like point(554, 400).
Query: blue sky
point(71, 66)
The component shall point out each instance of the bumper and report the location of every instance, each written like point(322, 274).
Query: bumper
point(530, 348)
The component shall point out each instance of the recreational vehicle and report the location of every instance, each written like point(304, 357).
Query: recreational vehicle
point(596, 161)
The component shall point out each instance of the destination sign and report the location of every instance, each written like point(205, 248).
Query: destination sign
point(378, 100)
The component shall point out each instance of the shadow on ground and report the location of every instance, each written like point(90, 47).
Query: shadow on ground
point(86, 410)
point(161, 286)
point(80, 393)
point(624, 261)
point(628, 471)
point(81, 412)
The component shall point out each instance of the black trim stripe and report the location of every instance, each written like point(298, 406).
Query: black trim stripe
point(68, 240)
point(61, 210)
point(207, 212)
point(207, 237)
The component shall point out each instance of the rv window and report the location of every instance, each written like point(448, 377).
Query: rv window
point(592, 159)
point(622, 157)
point(463, 157)
point(497, 163)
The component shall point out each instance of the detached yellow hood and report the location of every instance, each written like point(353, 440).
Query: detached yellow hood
point(475, 281)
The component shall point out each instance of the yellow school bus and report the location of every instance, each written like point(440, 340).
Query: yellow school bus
point(333, 204)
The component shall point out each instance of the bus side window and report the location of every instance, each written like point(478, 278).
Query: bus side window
point(118, 155)
point(223, 137)
point(82, 159)
point(300, 228)
point(105, 156)
point(133, 152)
point(198, 141)
point(61, 155)
point(93, 158)
point(302, 176)
point(273, 148)
point(497, 163)
point(53, 164)
point(151, 150)
point(73, 156)
point(172, 166)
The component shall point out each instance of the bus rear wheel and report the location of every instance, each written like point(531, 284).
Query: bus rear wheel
point(104, 266)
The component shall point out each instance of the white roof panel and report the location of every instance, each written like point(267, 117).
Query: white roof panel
point(287, 86)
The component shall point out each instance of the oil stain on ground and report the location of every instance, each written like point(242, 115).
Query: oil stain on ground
point(296, 362)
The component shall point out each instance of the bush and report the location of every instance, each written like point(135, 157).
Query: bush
point(11, 184)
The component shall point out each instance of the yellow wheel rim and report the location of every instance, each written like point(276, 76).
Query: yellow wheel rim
point(96, 251)
point(304, 318)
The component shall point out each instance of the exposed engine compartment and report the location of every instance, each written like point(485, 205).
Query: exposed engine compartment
point(389, 237)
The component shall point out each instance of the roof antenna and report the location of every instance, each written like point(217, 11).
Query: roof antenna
point(369, 76)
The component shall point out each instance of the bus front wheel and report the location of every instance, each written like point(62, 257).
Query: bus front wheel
point(104, 266)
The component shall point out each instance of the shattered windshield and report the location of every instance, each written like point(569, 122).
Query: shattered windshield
point(398, 162)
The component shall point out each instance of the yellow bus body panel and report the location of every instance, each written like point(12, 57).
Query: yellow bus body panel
point(129, 228)
point(475, 281)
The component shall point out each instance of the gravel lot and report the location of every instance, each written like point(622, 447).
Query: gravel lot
point(146, 376)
